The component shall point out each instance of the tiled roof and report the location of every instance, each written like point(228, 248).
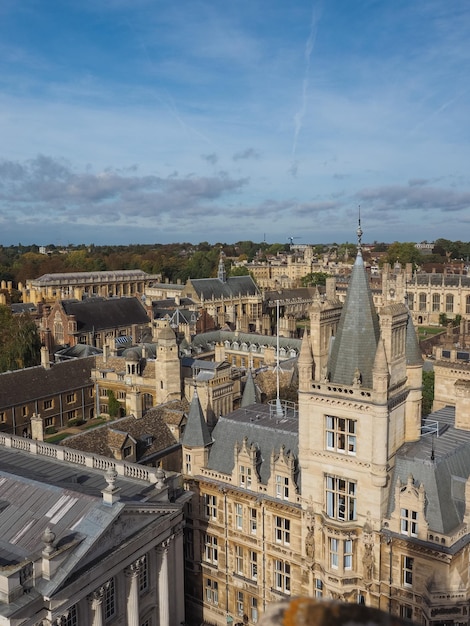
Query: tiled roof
point(98, 314)
point(152, 423)
point(27, 385)
point(208, 288)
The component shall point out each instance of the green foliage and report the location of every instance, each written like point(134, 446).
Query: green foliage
point(20, 345)
point(403, 253)
point(442, 319)
point(428, 392)
point(241, 270)
point(314, 278)
point(114, 406)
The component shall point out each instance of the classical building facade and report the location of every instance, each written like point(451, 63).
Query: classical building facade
point(67, 285)
point(349, 495)
point(87, 540)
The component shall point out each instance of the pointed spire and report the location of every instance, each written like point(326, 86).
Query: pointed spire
point(196, 433)
point(305, 356)
point(250, 392)
point(380, 361)
point(358, 332)
point(221, 274)
point(412, 349)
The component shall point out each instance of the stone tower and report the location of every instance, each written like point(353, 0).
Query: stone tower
point(167, 366)
point(359, 401)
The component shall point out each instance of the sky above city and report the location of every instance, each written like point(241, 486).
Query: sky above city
point(157, 121)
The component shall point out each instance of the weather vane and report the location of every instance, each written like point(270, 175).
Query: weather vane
point(359, 231)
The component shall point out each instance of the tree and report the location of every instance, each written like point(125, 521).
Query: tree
point(314, 278)
point(404, 253)
point(428, 392)
point(20, 345)
point(114, 406)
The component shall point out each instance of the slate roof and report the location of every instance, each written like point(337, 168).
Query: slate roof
point(219, 336)
point(358, 332)
point(208, 288)
point(251, 393)
point(98, 314)
point(261, 428)
point(434, 279)
point(34, 383)
point(77, 352)
point(196, 434)
point(443, 477)
point(100, 441)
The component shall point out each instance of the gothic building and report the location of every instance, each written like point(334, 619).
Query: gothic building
point(349, 495)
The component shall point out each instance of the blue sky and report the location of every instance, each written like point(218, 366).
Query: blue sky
point(125, 121)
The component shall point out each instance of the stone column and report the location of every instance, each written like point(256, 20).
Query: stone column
point(163, 588)
point(96, 602)
point(178, 559)
point(132, 574)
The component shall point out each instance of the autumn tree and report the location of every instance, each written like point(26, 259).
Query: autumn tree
point(20, 345)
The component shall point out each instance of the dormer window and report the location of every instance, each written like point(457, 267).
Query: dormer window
point(245, 477)
point(282, 487)
point(409, 522)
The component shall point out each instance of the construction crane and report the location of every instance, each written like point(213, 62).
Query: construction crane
point(291, 239)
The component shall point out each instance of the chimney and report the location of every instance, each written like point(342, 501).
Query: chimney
point(45, 362)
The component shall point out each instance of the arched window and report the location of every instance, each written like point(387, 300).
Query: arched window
point(422, 301)
point(436, 302)
point(449, 303)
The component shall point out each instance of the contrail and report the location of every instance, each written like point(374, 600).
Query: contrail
point(299, 116)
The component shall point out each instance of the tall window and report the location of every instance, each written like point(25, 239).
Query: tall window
point(245, 477)
point(341, 553)
point(436, 302)
point(282, 530)
point(239, 560)
point(411, 300)
point(188, 463)
point(238, 516)
point(409, 522)
point(211, 506)
point(212, 591)
point(407, 571)
point(422, 301)
point(109, 600)
point(341, 434)
point(467, 304)
point(449, 303)
point(282, 487)
point(144, 575)
point(340, 498)
point(71, 618)
point(253, 565)
point(282, 576)
point(348, 554)
point(254, 609)
point(318, 588)
point(334, 553)
point(253, 522)
point(240, 603)
point(211, 553)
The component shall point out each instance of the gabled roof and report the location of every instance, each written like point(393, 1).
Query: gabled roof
point(98, 314)
point(358, 332)
point(442, 465)
point(33, 383)
point(251, 394)
point(262, 429)
point(208, 288)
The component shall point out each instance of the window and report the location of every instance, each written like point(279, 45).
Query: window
point(341, 434)
point(422, 301)
point(127, 451)
point(348, 554)
point(340, 498)
point(245, 477)
point(282, 487)
point(253, 565)
point(407, 570)
point(240, 603)
point(211, 506)
point(144, 575)
point(47, 404)
point(70, 397)
point(282, 530)
point(3, 416)
point(411, 300)
point(238, 516)
point(449, 303)
point(436, 302)
point(49, 421)
point(467, 304)
point(253, 522)
point(318, 588)
point(212, 591)
point(70, 618)
point(334, 552)
point(121, 395)
point(409, 522)
point(188, 544)
point(282, 576)
point(24, 411)
point(406, 612)
point(211, 553)
point(70, 415)
point(239, 560)
point(109, 601)
point(188, 463)
point(254, 609)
